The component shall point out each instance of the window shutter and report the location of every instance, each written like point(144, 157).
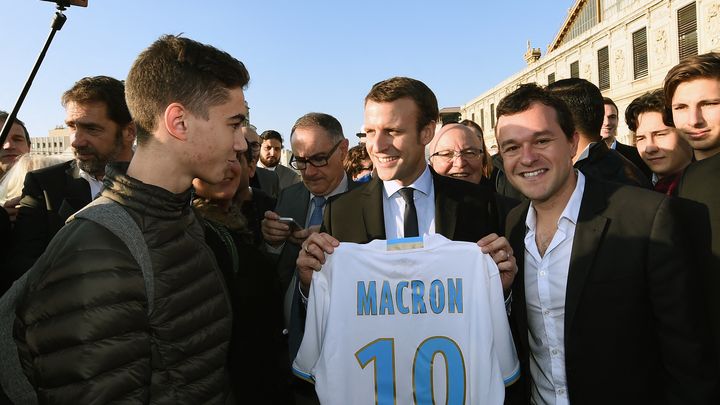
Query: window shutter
point(551, 78)
point(640, 58)
point(575, 69)
point(603, 68)
point(687, 31)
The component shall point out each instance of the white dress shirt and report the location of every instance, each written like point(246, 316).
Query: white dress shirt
point(394, 206)
point(545, 288)
point(95, 184)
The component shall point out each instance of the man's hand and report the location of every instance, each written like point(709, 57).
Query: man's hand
point(499, 249)
point(312, 256)
point(299, 236)
point(11, 207)
point(274, 232)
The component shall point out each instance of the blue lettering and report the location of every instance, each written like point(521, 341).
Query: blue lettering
point(437, 296)
point(366, 300)
point(386, 301)
point(399, 297)
point(455, 296)
point(418, 290)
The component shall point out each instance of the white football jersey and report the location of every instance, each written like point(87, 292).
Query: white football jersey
point(423, 325)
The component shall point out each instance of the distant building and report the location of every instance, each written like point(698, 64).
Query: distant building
point(624, 46)
point(57, 142)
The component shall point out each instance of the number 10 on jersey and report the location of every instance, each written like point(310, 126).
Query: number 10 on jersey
point(382, 352)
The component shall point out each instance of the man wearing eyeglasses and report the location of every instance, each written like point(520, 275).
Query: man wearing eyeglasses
point(458, 153)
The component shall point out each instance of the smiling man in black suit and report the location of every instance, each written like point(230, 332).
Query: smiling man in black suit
point(605, 304)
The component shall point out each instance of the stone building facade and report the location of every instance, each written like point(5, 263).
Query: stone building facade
point(624, 46)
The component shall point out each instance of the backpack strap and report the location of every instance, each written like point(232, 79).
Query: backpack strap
point(113, 216)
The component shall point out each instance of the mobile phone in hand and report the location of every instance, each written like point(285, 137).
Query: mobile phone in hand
point(294, 226)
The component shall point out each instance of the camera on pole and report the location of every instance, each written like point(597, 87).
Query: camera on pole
point(57, 24)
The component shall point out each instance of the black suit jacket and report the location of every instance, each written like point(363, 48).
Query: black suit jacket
point(701, 183)
point(463, 211)
point(50, 195)
point(633, 320)
point(607, 164)
point(631, 153)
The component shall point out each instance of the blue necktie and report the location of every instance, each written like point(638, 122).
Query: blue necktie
point(317, 215)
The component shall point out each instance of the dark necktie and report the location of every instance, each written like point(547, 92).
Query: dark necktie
point(410, 219)
point(317, 215)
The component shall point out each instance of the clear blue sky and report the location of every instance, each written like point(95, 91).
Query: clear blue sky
point(303, 56)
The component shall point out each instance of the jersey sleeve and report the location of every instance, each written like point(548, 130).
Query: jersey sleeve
point(502, 337)
point(312, 342)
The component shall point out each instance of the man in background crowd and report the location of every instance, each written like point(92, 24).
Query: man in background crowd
point(657, 140)
point(102, 131)
point(609, 135)
point(270, 153)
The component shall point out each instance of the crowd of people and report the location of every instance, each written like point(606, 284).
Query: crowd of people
point(172, 259)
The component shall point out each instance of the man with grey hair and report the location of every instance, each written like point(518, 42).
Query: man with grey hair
point(319, 150)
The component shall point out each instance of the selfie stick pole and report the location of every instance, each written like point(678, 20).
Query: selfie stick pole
point(57, 24)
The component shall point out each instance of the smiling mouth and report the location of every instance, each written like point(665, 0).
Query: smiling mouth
point(459, 174)
point(534, 173)
point(387, 159)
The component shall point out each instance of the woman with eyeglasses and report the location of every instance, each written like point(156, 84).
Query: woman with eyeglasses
point(458, 152)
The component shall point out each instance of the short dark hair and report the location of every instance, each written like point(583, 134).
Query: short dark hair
point(271, 134)
point(585, 102)
point(705, 66)
point(526, 94)
point(176, 69)
point(101, 89)
point(396, 88)
point(653, 101)
point(322, 120)
point(609, 101)
point(4, 116)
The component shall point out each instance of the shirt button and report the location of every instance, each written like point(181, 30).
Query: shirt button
point(554, 352)
point(561, 391)
point(546, 312)
point(542, 273)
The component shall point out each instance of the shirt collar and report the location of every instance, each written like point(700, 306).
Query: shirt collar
point(423, 184)
point(87, 176)
point(341, 188)
point(572, 209)
point(586, 152)
point(614, 144)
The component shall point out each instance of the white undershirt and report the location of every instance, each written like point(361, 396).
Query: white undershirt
point(545, 289)
point(95, 184)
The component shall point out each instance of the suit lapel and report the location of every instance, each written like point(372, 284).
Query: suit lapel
point(589, 232)
point(372, 208)
point(445, 208)
point(76, 194)
point(516, 230)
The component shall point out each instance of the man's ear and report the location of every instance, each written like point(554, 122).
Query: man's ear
point(428, 132)
point(175, 120)
point(130, 132)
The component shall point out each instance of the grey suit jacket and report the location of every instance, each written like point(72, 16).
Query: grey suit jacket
point(287, 176)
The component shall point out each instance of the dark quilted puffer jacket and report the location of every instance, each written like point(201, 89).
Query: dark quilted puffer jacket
point(83, 332)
